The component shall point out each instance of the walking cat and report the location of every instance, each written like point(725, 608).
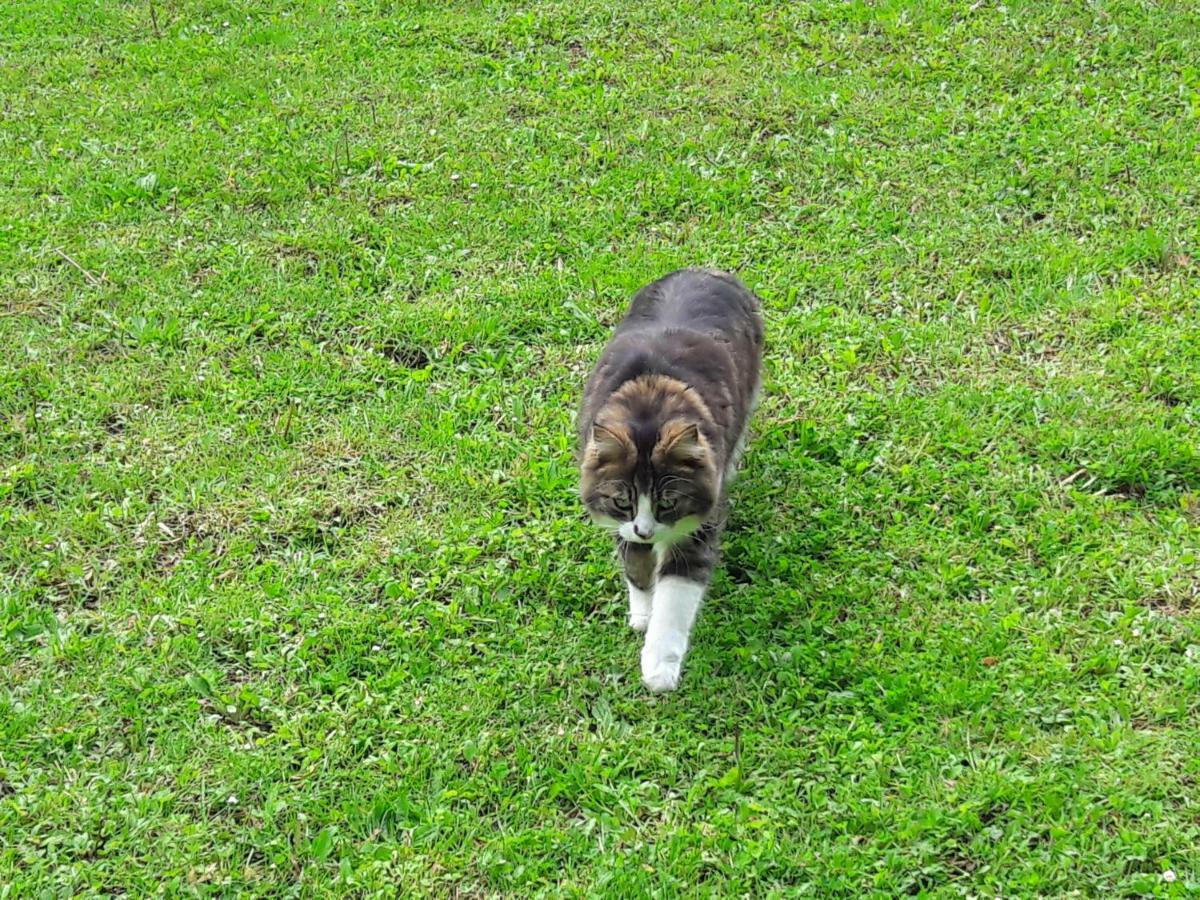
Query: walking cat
point(661, 428)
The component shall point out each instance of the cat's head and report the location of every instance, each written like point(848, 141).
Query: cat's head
point(649, 474)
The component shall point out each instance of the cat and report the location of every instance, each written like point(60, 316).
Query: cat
point(661, 430)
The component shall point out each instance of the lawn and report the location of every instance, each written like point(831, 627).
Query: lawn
point(296, 303)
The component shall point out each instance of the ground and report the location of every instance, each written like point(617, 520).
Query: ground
point(296, 301)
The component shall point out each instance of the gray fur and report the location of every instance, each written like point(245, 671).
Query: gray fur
point(703, 329)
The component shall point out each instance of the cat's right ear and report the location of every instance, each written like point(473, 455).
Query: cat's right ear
point(607, 444)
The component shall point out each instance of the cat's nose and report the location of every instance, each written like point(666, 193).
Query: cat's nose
point(637, 529)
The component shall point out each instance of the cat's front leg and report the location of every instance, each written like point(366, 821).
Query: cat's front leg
point(678, 591)
point(676, 603)
point(639, 564)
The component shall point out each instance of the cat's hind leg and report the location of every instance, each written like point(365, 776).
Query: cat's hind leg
point(739, 447)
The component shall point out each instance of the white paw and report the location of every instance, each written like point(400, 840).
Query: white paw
point(661, 674)
point(639, 607)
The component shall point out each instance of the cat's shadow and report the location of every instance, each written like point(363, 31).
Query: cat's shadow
point(763, 605)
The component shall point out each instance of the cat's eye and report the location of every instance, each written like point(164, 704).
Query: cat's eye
point(666, 503)
point(622, 502)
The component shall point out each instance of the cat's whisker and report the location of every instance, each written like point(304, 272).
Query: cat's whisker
point(668, 480)
point(677, 556)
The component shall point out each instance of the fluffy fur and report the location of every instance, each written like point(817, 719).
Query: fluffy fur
point(661, 428)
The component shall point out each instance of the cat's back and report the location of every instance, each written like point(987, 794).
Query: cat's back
point(707, 301)
point(698, 327)
point(697, 319)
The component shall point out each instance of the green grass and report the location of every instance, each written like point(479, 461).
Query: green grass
point(296, 301)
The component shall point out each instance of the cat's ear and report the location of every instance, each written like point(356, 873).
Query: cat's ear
point(607, 444)
point(680, 442)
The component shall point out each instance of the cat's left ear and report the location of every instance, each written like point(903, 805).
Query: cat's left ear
point(680, 442)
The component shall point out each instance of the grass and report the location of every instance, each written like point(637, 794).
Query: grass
point(296, 300)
